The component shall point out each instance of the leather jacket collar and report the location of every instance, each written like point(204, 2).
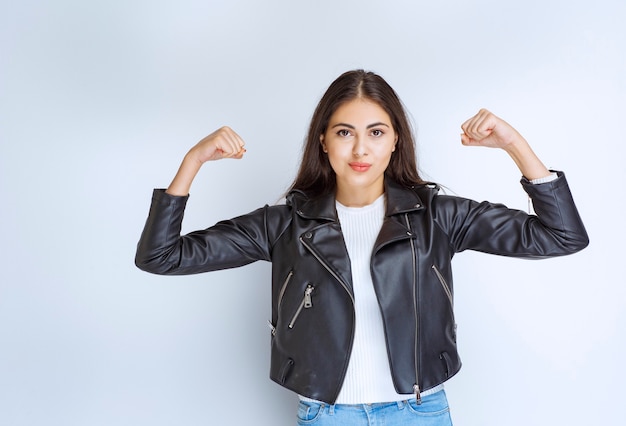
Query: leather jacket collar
point(399, 199)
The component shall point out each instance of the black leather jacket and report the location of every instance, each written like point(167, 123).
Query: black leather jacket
point(312, 294)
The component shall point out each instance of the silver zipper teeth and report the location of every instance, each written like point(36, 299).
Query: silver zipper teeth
point(283, 288)
point(416, 387)
point(280, 299)
point(306, 303)
point(328, 269)
point(296, 315)
point(446, 289)
point(444, 284)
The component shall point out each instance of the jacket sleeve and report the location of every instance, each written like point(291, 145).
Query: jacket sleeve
point(227, 244)
point(555, 230)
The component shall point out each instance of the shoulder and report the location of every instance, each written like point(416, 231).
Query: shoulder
point(295, 197)
point(426, 191)
point(446, 208)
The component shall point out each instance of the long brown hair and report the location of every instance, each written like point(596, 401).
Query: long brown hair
point(316, 175)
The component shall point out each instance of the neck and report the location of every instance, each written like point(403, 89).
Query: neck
point(358, 198)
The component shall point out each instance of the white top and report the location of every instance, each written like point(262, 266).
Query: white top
point(368, 378)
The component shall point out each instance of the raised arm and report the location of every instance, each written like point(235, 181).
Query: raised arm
point(161, 248)
point(223, 143)
point(486, 129)
point(555, 230)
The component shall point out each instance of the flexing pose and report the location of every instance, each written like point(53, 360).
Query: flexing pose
point(362, 318)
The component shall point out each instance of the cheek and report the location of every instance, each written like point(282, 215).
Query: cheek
point(388, 155)
point(333, 158)
point(337, 151)
point(385, 151)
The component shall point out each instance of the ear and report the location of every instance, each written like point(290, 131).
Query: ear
point(395, 144)
point(322, 143)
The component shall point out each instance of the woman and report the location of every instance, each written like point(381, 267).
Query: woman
point(362, 320)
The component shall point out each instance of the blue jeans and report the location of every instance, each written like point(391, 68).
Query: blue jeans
point(433, 411)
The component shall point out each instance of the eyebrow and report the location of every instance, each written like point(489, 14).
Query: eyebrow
point(369, 126)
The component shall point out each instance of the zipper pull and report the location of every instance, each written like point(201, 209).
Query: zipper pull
point(418, 395)
point(272, 328)
point(305, 303)
point(308, 303)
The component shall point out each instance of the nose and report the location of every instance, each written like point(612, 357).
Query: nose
point(359, 149)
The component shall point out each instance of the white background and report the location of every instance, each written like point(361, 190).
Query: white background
point(99, 101)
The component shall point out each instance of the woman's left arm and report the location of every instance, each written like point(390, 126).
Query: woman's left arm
point(486, 129)
point(555, 230)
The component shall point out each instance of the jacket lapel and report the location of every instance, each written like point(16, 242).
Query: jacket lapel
point(325, 240)
point(399, 200)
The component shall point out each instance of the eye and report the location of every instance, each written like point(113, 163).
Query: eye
point(343, 133)
point(377, 133)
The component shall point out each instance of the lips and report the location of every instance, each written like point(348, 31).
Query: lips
point(360, 167)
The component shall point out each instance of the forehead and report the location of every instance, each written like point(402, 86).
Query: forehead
point(360, 111)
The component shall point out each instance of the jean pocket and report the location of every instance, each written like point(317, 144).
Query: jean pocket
point(431, 405)
point(309, 412)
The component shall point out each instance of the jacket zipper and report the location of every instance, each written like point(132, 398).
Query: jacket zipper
point(306, 303)
point(444, 284)
point(416, 386)
point(283, 288)
point(280, 300)
point(446, 289)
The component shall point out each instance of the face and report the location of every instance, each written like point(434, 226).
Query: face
point(359, 142)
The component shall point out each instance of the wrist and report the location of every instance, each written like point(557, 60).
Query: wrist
point(517, 147)
point(526, 160)
point(184, 177)
point(192, 159)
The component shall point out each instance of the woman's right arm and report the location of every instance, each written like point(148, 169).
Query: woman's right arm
point(223, 143)
point(161, 248)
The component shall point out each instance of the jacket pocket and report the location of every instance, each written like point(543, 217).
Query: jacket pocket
point(444, 284)
point(279, 301)
point(285, 370)
point(283, 288)
point(448, 291)
point(446, 361)
point(306, 303)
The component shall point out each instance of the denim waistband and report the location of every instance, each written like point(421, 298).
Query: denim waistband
point(401, 397)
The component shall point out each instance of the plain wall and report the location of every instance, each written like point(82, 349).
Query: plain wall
point(100, 100)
